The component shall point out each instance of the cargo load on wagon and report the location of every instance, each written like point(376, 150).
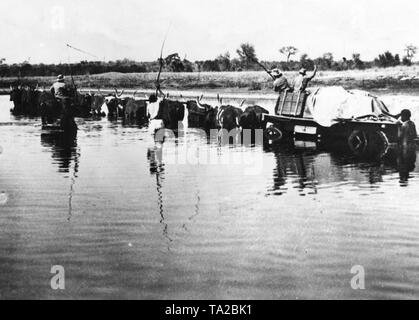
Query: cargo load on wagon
point(329, 105)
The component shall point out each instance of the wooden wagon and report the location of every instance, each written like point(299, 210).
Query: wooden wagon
point(293, 120)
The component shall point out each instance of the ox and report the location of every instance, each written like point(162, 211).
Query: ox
point(16, 98)
point(167, 113)
point(25, 101)
point(135, 109)
point(97, 101)
point(201, 115)
point(55, 111)
point(113, 103)
point(82, 105)
point(228, 116)
point(252, 118)
point(109, 105)
point(49, 108)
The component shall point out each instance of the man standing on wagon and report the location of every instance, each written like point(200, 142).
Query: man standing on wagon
point(300, 83)
point(280, 85)
point(280, 82)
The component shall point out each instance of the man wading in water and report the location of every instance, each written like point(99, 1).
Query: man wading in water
point(62, 94)
point(407, 130)
point(59, 89)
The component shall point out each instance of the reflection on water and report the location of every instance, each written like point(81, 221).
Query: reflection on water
point(311, 166)
point(406, 160)
point(63, 151)
point(66, 155)
point(126, 221)
point(155, 158)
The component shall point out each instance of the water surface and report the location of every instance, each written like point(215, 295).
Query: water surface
point(125, 223)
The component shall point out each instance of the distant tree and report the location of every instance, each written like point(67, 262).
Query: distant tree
point(210, 65)
point(2, 60)
point(387, 60)
point(288, 52)
point(344, 65)
point(410, 51)
point(236, 65)
point(247, 55)
point(306, 62)
point(224, 62)
point(396, 60)
point(174, 63)
point(358, 63)
point(188, 65)
point(325, 62)
point(406, 61)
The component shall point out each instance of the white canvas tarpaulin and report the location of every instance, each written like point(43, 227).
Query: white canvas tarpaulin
point(327, 105)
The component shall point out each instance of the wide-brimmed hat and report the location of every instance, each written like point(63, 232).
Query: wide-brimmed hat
point(60, 78)
point(276, 72)
point(303, 71)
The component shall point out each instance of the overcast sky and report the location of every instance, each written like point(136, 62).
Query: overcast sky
point(202, 29)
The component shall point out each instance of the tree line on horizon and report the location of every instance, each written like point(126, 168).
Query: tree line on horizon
point(246, 60)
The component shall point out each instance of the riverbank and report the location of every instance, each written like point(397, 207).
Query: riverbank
point(395, 78)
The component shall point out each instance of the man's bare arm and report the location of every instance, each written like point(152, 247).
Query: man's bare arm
point(314, 73)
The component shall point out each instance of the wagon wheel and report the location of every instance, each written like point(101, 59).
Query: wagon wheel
point(368, 142)
point(273, 134)
point(358, 141)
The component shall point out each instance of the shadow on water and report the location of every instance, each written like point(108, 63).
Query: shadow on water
point(309, 165)
point(66, 154)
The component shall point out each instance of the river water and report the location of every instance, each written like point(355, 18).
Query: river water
point(290, 222)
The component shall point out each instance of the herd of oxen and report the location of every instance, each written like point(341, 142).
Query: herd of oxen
point(33, 102)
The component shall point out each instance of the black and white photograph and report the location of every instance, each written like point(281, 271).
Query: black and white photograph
point(209, 150)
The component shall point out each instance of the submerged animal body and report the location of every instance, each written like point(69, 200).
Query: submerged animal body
point(135, 110)
point(168, 111)
point(251, 118)
point(228, 117)
point(25, 101)
point(200, 115)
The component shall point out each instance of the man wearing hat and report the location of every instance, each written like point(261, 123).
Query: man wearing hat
point(59, 88)
point(280, 82)
point(300, 83)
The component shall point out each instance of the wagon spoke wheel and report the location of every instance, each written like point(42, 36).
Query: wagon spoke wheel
point(273, 134)
point(363, 142)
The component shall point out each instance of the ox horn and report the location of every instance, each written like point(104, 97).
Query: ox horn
point(242, 103)
point(198, 102)
point(118, 94)
point(219, 99)
point(238, 122)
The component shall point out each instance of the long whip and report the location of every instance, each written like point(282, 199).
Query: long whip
point(158, 89)
point(264, 68)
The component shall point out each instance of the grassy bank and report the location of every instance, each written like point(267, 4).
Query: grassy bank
point(372, 79)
